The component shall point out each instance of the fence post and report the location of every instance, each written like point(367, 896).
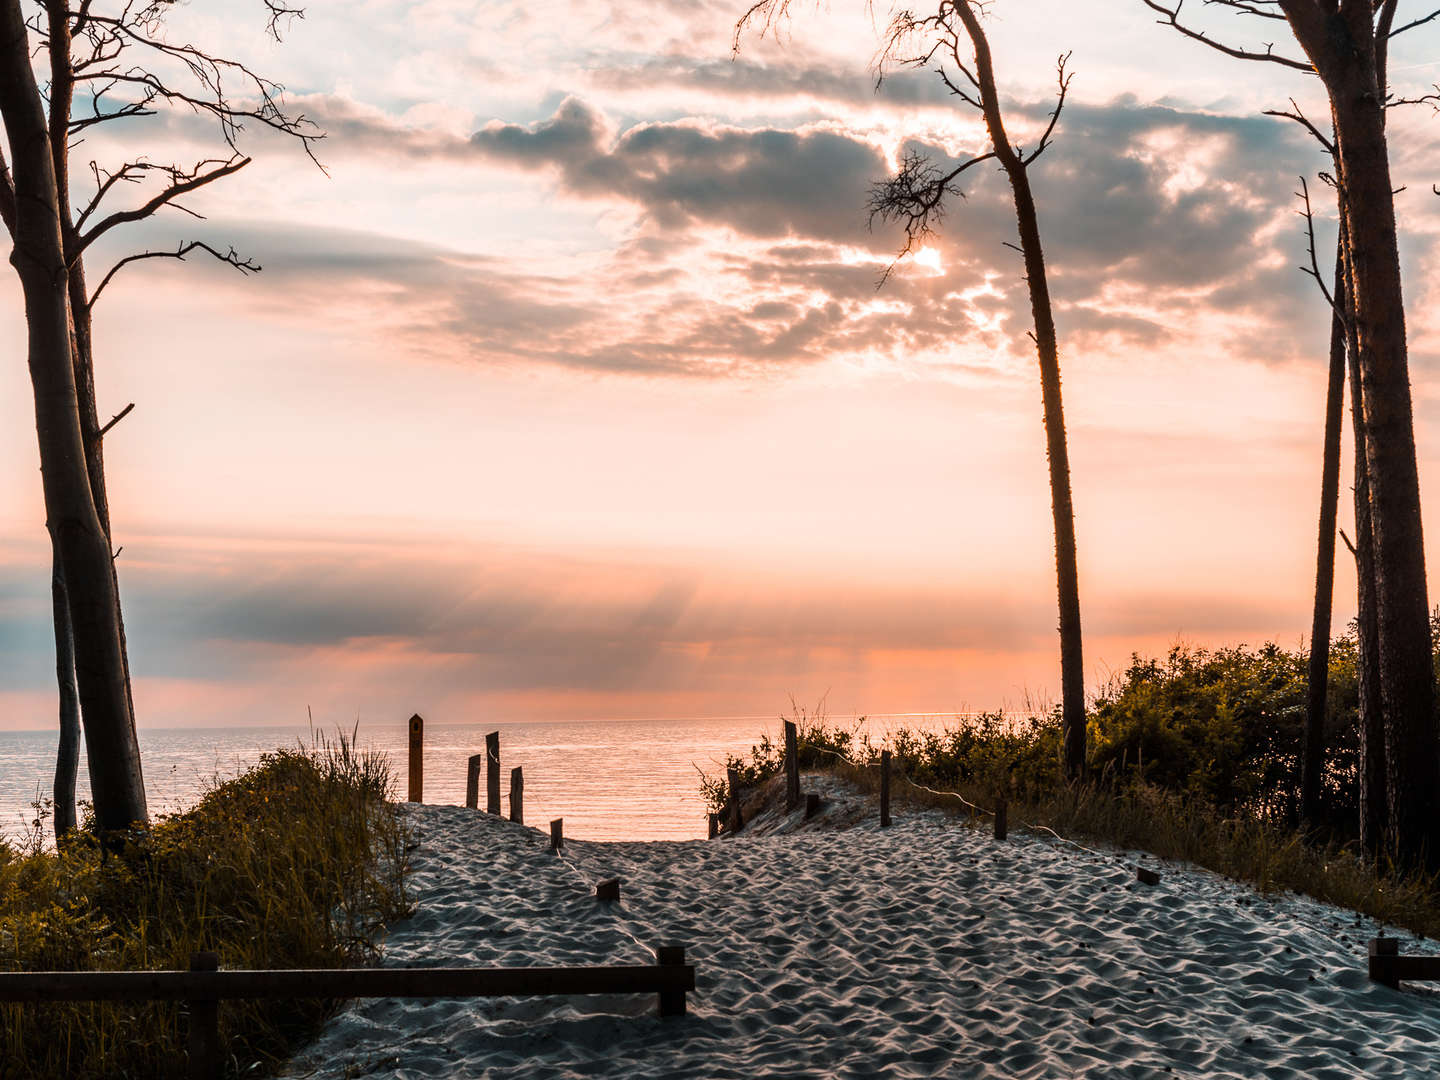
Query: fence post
point(1383, 953)
point(557, 834)
point(736, 821)
point(884, 789)
point(1001, 824)
point(472, 781)
point(417, 759)
point(492, 773)
point(672, 1002)
point(714, 825)
point(792, 766)
point(517, 796)
point(204, 1033)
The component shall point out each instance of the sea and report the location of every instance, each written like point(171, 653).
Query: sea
point(609, 779)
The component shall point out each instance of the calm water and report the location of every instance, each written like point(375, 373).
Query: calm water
point(609, 780)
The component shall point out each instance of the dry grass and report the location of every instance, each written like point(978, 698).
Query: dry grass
point(299, 862)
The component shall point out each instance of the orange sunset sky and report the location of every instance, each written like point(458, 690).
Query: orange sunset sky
point(569, 391)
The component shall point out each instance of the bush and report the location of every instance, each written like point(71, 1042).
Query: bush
point(297, 863)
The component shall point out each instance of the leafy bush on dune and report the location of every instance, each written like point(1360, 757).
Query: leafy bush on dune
point(297, 863)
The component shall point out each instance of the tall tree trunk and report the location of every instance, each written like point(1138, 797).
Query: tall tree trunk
point(1312, 766)
point(67, 755)
point(1407, 679)
point(116, 786)
point(1072, 667)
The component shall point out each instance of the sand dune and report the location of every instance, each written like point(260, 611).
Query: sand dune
point(926, 949)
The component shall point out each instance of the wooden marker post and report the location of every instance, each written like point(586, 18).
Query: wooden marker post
point(672, 1002)
point(792, 766)
point(492, 773)
point(417, 759)
point(557, 835)
point(609, 889)
point(1001, 825)
point(714, 825)
point(884, 789)
point(812, 804)
point(472, 781)
point(204, 1034)
point(517, 796)
point(736, 821)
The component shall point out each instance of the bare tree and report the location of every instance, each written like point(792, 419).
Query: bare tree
point(109, 63)
point(1345, 43)
point(953, 43)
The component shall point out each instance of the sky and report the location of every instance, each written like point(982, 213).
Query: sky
point(569, 389)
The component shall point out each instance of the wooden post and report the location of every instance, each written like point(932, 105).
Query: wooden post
point(417, 759)
point(204, 1033)
point(792, 766)
point(609, 889)
point(557, 835)
point(714, 825)
point(1384, 951)
point(1001, 825)
point(736, 821)
point(812, 804)
point(884, 789)
point(472, 781)
point(672, 1002)
point(517, 796)
point(492, 773)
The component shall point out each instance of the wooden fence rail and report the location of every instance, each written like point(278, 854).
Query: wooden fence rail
point(203, 986)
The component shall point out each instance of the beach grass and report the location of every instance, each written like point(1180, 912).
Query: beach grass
point(299, 862)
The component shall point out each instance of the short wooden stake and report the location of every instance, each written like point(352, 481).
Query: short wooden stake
point(1001, 825)
point(472, 781)
point(492, 773)
point(1384, 951)
point(714, 825)
point(417, 759)
point(812, 805)
point(1146, 876)
point(609, 889)
point(672, 1002)
point(736, 821)
point(884, 789)
point(517, 796)
point(557, 835)
point(792, 766)
point(204, 1033)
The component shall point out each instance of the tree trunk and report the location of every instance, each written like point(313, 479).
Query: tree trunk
point(1407, 681)
point(67, 755)
point(1072, 667)
point(116, 786)
point(1312, 765)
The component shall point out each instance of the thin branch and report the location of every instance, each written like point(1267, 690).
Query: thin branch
point(115, 420)
point(185, 183)
point(1314, 268)
point(1063, 77)
point(1414, 23)
point(1171, 17)
point(915, 197)
point(230, 258)
point(1304, 121)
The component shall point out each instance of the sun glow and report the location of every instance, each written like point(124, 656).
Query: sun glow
point(929, 258)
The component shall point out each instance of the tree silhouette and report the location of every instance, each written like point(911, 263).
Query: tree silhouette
point(105, 64)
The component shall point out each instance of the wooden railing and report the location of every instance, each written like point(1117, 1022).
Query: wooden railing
point(204, 986)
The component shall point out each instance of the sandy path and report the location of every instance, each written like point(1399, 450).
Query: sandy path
point(923, 950)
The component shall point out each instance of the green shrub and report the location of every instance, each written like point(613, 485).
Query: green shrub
point(298, 863)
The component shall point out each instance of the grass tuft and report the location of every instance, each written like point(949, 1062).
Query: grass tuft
point(298, 863)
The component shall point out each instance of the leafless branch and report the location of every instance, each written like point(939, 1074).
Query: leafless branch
point(230, 258)
point(1414, 23)
point(115, 420)
point(1063, 77)
point(915, 198)
point(1314, 268)
point(1300, 118)
point(1170, 16)
point(181, 183)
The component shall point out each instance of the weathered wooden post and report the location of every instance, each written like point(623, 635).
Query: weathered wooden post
point(714, 825)
point(884, 789)
point(417, 759)
point(1384, 951)
point(492, 773)
point(792, 766)
point(557, 835)
point(517, 796)
point(472, 781)
point(672, 1002)
point(609, 889)
point(812, 804)
point(1001, 825)
point(204, 1033)
point(736, 821)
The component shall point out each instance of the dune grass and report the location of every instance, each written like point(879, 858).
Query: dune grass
point(298, 863)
